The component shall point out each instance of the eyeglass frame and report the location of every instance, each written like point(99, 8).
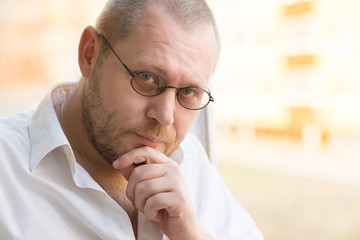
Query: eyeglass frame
point(178, 90)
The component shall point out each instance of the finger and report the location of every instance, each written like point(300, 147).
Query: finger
point(128, 159)
point(146, 189)
point(156, 205)
point(170, 171)
point(168, 202)
point(127, 162)
point(140, 155)
point(141, 174)
point(126, 172)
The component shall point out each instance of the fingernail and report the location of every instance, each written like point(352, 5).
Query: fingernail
point(115, 164)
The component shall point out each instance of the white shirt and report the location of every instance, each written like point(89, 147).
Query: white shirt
point(46, 194)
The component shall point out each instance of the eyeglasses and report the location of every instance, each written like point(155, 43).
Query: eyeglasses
point(149, 84)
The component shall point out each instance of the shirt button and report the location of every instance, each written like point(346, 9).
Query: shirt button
point(102, 195)
point(69, 157)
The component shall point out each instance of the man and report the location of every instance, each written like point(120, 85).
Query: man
point(109, 157)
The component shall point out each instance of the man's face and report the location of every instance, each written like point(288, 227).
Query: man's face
point(117, 118)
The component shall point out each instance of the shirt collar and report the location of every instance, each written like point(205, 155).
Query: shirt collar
point(45, 130)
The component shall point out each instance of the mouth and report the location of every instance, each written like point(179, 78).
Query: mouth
point(149, 141)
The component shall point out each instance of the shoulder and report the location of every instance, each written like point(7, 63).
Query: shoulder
point(17, 120)
point(14, 130)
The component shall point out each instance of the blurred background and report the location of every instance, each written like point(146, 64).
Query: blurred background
point(286, 110)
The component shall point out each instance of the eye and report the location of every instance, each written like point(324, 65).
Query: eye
point(188, 92)
point(193, 98)
point(149, 78)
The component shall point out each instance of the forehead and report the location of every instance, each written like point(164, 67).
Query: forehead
point(163, 45)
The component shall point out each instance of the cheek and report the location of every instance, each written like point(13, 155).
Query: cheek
point(123, 102)
point(128, 112)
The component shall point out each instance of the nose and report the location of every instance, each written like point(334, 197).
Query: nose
point(162, 107)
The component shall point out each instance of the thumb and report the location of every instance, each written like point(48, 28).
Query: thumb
point(128, 161)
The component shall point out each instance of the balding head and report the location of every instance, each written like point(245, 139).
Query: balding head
point(120, 18)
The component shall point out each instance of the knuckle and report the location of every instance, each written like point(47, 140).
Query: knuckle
point(155, 201)
point(135, 172)
point(140, 187)
point(147, 149)
point(174, 167)
point(174, 164)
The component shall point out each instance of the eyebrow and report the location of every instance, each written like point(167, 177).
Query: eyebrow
point(159, 71)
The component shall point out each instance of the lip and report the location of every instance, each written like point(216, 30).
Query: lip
point(149, 141)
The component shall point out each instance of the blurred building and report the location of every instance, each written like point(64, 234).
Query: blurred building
point(321, 56)
point(290, 67)
point(38, 47)
point(37, 39)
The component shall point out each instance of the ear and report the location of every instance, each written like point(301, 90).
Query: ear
point(88, 47)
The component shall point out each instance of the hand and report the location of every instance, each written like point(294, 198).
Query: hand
point(158, 190)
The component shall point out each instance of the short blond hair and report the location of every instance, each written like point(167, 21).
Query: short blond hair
point(119, 18)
